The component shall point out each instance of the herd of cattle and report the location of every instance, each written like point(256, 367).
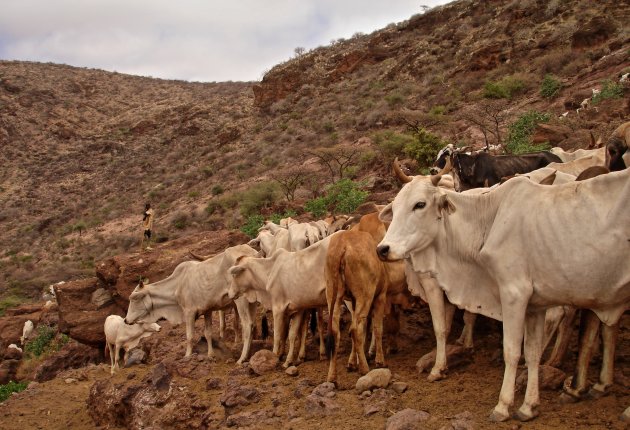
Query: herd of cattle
point(472, 236)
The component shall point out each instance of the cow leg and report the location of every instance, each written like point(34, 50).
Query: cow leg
point(320, 327)
point(513, 310)
point(189, 320)
point(279, 332)
point(111, 356)
point(534, 326)
point(116, 355)
point(332, 366)
point(207, 330)
point(466, 338)
point(589, 328)
point(247, 312)
point(609, 340)
point(237, 325)
point(359, 324)
point(221, 324)
point(377, 325)
point(563, 338)
point(437, 306)
point(294, 329)
point(307, 315)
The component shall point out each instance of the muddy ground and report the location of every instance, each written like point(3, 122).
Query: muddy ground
point(470, 387)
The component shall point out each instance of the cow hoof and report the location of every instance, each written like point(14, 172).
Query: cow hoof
point(433, 377)
point(380, 365)
point(566, 398)
point(351, 367)
point(595, 394)
point(322, 357)
point(497, 417)
point(523, 416)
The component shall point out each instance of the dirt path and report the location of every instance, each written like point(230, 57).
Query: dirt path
point(469, 388)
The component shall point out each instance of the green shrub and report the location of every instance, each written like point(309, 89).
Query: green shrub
point(391, 144)
point(9, 302)
point(217, 190)
point(343, 196)
point(12, 387)
point(610, 90)
point(41, 342)
point(520, 133)
point(424, 148)
point(252, 224)
point(257, 197)
point(550, 87)
point(394, 99)
point(180, 221)
point(506, 88)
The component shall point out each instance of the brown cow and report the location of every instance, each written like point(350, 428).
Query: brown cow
point(354, 271)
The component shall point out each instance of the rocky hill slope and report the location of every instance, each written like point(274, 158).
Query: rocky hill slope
point(82, 150)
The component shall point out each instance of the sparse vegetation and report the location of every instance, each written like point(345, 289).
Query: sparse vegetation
point(520, 133)
point(505, 88)
point(343, 196)
point(41, 343)
point(11, 387)
point(610, 90)
point(550, 86)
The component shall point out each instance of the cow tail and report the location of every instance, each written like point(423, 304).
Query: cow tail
point(313, 324)
point(264, 327)
point(336, 269)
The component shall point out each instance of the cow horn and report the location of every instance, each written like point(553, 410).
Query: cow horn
point(448, 166)
point(198, 257)
point(593, 143)
point(435, 179)
point(400, 174)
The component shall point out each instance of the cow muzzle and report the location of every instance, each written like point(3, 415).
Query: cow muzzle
point(383, 252)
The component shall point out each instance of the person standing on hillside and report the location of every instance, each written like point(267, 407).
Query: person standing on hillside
point(147, 224)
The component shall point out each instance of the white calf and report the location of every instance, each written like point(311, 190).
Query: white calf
point(27, 331)
point(126, 336)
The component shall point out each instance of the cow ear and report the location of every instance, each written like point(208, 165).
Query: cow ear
point(236, 270)
point(386, 213)
point(549, 180)
point(445, 204)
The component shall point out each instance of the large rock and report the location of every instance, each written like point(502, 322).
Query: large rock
point(8, 370)
point(553, 134)
point(120, 274)
point(79, 318)
point(407, 419)
point(12, 324)
point(377, 378)
point(237, 395)
point(263, 361)
point(73, 355)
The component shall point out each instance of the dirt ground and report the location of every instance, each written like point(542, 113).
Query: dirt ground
point(472, 387)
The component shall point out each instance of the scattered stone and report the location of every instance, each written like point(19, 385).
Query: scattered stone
point(323, 389)
point(70, 380)
point(263, 361)
point(399, 387)
point(321, 406)
point(456, 355)
point(377, 402)
point(131, 376)
point(246, 419)
point(239, 395)
point(135, 356)
point(407, 419)
point(160, 378)
point(292, 371)
point(365, 394)
point(461, 421)
point(377, 378)
point(625, 416)
point(303, 387)
point(213, 383)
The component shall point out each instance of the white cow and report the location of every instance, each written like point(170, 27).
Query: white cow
point(14, 346)
point(195, 288)
point(575, 167)
point(513, 252)
point(27, 331)
point(288, 283)
point(302, 235)
point(126, 336)
point(575, 155)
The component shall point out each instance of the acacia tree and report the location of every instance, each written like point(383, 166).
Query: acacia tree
point(290, 180)
point(336, 159)
point(489, 117)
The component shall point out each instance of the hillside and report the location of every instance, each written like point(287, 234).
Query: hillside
point(82, 149)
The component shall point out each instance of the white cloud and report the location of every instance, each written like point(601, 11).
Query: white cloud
point(204, 40)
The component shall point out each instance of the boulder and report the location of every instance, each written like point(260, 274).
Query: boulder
point(377, 402)
point(236, 395)
point(135, 356)
point(12, 324)
point(377, 378)
point(407, 419)
point(79, 318)
point(101, 297)
point(8, 370)
point(321, 406)
point(553, 134)
point(72, 355)
point(263, 361)
point(120, 274)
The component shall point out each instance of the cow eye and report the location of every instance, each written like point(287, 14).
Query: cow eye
point(419, 205)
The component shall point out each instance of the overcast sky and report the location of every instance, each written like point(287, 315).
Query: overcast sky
point(195, 40)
